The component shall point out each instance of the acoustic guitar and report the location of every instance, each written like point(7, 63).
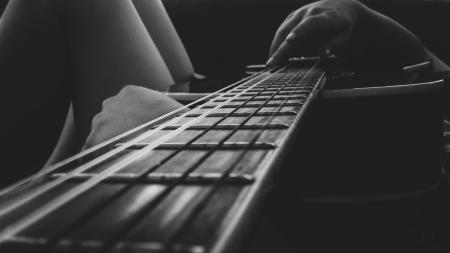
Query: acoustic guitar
point(195, 181)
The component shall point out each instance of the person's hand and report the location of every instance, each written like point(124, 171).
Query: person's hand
point(313, 29)
point(348, 29)
point(131, 107)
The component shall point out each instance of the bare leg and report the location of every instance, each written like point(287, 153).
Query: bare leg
point(35, 97)
point(109, 48)
point(163, 33)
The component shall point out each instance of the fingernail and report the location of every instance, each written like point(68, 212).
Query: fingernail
point(270, 61)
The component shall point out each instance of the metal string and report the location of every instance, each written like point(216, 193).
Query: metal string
point(77, 190)
point(144, 211)
point(124, 135)
point(109, 200)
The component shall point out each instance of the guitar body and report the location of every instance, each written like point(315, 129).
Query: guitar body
point(377, 146)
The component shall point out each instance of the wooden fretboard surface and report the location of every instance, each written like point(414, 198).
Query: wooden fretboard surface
point(184, 195)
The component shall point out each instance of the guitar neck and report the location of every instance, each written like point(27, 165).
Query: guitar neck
point(184, 182)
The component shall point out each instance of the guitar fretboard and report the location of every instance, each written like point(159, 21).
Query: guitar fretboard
point(183, 188)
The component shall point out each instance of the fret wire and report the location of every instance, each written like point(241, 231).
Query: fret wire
point(57, 202)
point(208, 145)
point(146, 209)
point(193, 215)
point(245, 114)
point(91, 150)
point(261, 99)
point(254, 105)
point(275, 85)
point(226, 127)
point(272, 89)
point(283, 93)
point(104, 203)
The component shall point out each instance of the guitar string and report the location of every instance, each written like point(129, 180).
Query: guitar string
point(87, 166)
point(193, 215)
point(126, 228)
point(109, 200)
point(124, 135)
point(57, 202)
point(38, 191)
point(144, 210)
